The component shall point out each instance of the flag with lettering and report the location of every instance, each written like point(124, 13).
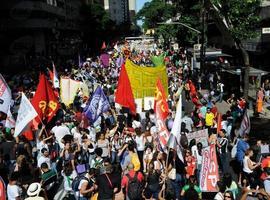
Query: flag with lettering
point(161, 101)
point(26, 114)
point(97, 105)
point(5, 95)
point(10, 121)
point(161, 110)
point(45, 101)
point(209, 175)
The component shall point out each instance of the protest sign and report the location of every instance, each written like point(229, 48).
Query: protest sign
point(200, 136)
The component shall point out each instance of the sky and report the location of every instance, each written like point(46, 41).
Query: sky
point(139, 5)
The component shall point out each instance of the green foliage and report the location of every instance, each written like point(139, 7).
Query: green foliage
point(242, 17)
point(158, 11)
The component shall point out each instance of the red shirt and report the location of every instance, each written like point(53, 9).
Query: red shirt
point(265, 164)
point(131, 173)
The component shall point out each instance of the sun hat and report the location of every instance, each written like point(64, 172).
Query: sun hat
point(34, 189)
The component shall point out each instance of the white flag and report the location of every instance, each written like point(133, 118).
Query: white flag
point(5, 95)
point(10, 121)
point(174, 140)
point(26, 113)
point(56, 83)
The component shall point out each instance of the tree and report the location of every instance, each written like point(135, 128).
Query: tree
point(158, 11)
point(237, 20)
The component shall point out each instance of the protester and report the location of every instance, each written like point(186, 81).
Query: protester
point(95, 145)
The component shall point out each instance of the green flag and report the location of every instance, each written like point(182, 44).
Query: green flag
point(158, 60)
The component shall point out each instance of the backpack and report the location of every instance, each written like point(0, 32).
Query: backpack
point(76, 182)
point(135, 188)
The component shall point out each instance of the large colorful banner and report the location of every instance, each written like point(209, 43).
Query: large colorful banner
point(209, 172)
point(143, 79)
point(200, 136)
point(5, 95)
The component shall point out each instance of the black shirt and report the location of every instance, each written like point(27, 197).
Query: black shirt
point(105, 188)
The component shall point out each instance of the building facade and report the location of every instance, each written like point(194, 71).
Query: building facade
point(40, 28)
point(121, 11)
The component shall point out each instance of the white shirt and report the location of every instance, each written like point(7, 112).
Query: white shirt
point(44, 159)
point(245, 167)
point(189, 123)
point(140, 143)
point(195, 153)
point(13, 191)
point(76, 134)
point(60, 132)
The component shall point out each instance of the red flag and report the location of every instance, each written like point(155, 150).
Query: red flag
point(218, 122)
point(161, 105)
point(124, 95)
point(103, 46)
point(45, 101)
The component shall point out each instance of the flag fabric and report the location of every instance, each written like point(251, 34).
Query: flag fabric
point(160, 98)
point(143, 79)
point(97, 105)
point(103, 46)
point(105, 59)
point(80, 63)
point(158, 60)
point(55, 77)
point(26, 114)
point(175, 136)
point(5, 95)
point(123, 94)
point(2, 189)
point(245, 125)
point(10, 121)
point(209, 175)
point(161, 114)
point(218, 122)
point(45, 101)
point(69, 89)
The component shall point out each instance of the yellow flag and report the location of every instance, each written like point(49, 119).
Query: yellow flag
point(143, 79)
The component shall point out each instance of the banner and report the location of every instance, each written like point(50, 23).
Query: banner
point(68, 90)
point(148, 103)
point(26, 114)
point(161, 110)
point(143, 79)
point(138, 103)
point(200, 136)
point(5, 95)
point(209, 172)
point(97, 105)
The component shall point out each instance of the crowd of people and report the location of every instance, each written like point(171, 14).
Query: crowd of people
point(120, 154)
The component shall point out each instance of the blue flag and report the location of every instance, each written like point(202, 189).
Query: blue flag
point(97, 105)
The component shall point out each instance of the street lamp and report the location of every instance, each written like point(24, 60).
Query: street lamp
point(170, 22)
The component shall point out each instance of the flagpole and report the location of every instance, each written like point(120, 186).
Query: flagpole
point(43, 125)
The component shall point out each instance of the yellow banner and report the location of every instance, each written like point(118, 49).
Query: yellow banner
point(68, 90)
point(143, 79)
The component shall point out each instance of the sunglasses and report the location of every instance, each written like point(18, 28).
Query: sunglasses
point(227, 196)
